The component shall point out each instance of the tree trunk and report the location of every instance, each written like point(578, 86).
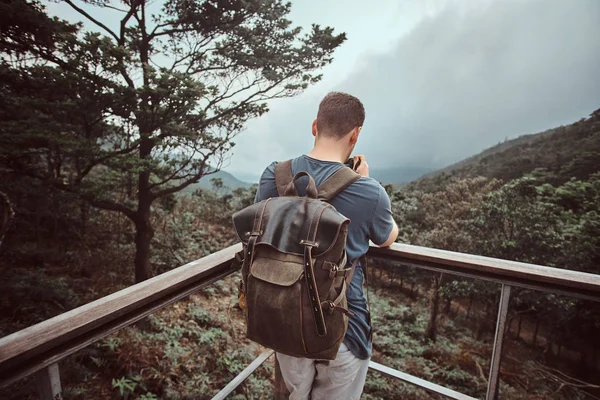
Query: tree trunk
point(481, 322)
point(434, 301)
point(143, 228)
point(6, 215)
point(143, 236)
point(448, 306)
point(535, 332)
point(55, 217)
point(469, 307)
point(549, 349)
point(83, 207)
point(582, 360)
point(38, 224)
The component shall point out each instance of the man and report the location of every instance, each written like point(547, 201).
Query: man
point(336, 129)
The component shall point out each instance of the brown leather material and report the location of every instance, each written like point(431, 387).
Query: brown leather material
point(311, 188)
point(284, 221)
point(338, 181)
point(283, 176)
point(313, 293)
point(294, 270)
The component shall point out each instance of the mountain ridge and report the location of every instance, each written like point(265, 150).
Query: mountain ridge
point(568, 151)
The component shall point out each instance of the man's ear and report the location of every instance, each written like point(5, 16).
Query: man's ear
point(314, 128)
point(354, 135)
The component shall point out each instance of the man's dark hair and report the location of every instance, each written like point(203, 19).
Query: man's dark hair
point(338, 114)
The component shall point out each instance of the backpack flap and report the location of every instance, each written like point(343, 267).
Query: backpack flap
point(283, 222)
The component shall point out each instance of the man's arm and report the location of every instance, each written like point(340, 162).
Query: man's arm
point(393, 236)
point(382, 221)
point(383, 230)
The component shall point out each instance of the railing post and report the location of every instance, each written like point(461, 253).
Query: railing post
point(493, 380)
point(279, 389)
point(47, 381)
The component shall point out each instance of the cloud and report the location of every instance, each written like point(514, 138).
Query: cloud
point(463, 79)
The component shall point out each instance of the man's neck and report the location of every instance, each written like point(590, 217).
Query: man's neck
point(328, 152)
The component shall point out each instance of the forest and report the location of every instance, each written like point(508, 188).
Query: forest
point(100, 147)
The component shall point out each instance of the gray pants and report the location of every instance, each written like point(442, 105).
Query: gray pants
point(343, 378)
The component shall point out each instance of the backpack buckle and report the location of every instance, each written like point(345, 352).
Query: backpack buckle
point(331, 307)
point(333, 271)
point(309, 243)
point(254, 233)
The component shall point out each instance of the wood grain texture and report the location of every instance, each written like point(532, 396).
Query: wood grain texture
point(46, 343)
point(493, 269)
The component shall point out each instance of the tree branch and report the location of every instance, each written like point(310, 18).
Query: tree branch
point(110, 206)
point(132, 10)
point(171, 31)
point(88, 16)
point(103, 204)
point(188, 182)
point(174, 174)
point(114, 8)
point(100, 160)
point(249, 99)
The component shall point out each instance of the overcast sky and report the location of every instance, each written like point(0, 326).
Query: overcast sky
point(440, 79)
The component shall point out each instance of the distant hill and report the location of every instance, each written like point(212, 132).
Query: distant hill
point(567, 151)
point(230, 182)
point(393, 176)
point(398, 175)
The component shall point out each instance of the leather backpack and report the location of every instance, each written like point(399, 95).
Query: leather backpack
point(294, 267)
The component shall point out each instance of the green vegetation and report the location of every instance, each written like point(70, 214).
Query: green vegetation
point(517, 205)
point(96, 141)
point(565, 152)
point(123, 118)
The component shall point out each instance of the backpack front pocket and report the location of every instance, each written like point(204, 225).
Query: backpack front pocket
point(274, 302)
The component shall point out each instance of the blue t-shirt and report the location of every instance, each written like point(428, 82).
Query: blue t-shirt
point(367, 205)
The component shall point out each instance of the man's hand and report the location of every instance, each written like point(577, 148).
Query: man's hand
point(363, 167)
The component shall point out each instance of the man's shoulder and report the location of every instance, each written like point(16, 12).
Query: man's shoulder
point(269, 171)
point(364, 191)
point(368, 183)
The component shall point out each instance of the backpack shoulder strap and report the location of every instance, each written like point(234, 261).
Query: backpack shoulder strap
point(338, 181)
point(283, 176)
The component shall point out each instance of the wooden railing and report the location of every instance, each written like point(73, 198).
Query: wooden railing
point(38, 349)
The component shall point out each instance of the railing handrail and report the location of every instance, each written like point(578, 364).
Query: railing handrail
point(548, 279)
point(31, 349)
point(47, 342)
